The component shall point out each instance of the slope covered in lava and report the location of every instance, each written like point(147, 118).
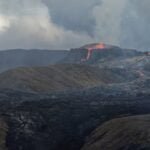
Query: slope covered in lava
point(34, 121)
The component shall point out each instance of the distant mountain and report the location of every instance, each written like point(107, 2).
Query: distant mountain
point(130, 133)
point(10, 59)
point(62, 77)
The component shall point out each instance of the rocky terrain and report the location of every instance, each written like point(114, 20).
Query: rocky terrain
point(58, 106)
point(63, 120)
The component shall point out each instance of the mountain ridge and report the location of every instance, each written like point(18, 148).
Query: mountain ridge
point(10, 59)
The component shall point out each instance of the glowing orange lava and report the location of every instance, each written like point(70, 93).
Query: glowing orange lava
point(90, 48)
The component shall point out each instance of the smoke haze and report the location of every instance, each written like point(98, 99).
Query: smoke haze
point(61, 24)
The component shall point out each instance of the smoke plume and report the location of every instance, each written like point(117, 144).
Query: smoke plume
point(55, 24)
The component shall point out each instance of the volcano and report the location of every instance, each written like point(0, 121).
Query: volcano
point(95, 47)
point(96, 52)
point(92, 47)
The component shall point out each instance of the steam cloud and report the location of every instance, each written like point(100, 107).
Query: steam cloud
point(55, 24)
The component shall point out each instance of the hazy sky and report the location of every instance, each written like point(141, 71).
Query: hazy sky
point(60, 24)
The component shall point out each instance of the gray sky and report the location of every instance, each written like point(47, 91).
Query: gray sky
point(60, 24)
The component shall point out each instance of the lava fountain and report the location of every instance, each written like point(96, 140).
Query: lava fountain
point(92, 47)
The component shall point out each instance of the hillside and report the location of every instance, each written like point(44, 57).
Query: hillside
point(61, 77)
point(130, 133)
point(10, 59)
point(106, 65)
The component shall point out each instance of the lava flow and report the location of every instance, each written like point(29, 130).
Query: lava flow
point(93, 47)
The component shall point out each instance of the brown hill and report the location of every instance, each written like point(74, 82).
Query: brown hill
point(61, 77)
point(130, 133)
